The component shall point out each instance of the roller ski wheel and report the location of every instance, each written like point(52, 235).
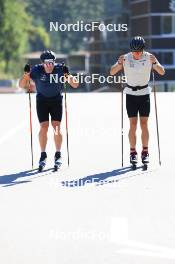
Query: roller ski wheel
point(145, 166)
point(41, 167)
point(56, 167)
point(133, 160)
point(42, 161)
point(58, 161)
point(134, 166)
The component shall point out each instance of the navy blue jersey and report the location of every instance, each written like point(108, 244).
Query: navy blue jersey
point(47, 84)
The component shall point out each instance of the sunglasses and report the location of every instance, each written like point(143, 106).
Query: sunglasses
point(48, 62)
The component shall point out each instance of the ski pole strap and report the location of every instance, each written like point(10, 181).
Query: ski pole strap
point(136, 88)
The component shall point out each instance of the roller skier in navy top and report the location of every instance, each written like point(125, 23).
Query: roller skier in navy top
point(48, 78)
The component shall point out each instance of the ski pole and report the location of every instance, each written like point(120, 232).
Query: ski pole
point(122, 116)
point(66, 116)
point(31, 133)
point(157, 124)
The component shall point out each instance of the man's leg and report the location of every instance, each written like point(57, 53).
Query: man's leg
point(145, 139)
point(132, 111)
point(145, 132)
point(132, 133)
point(57, 135)
point(144, 111)
point(43, 135)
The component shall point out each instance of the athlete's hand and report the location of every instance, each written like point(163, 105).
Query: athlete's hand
point(65, 69)
point(121, 60)
point(27, 68)
point(153, 59)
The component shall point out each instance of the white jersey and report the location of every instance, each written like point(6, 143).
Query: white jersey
point(137, 73)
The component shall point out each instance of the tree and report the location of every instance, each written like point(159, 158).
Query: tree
point(16, 31)
point(62, 11)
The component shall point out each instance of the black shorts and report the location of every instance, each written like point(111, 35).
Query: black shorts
point(49, 106)
point(138, 104)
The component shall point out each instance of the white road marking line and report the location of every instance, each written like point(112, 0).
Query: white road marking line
point(149, 250)
point(12, 132)
point(119, 234)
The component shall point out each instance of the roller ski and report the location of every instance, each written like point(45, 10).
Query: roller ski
point(58, 161)
point(133, 160)
point(42, 161)
point(145, 159)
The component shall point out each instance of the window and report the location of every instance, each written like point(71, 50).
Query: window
point(168, 25)
point(165, 58)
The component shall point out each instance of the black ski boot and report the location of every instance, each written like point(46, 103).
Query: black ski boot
point(58, 160)
point(133, 160)
point(145, 159)
point(42, 161)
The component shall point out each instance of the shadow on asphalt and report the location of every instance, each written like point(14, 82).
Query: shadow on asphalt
point(10, 179)
point(100, 178)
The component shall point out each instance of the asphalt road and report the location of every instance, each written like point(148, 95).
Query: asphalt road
point(95, 211)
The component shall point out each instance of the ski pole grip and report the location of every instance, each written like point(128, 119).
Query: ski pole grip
point(27, 68)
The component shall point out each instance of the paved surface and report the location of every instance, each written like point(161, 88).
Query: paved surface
point(94, 211)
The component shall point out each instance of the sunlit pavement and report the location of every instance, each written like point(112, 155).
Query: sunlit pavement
point(95, 211)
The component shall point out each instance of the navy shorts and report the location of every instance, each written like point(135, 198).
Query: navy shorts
point(138, 105)
point(49, 107)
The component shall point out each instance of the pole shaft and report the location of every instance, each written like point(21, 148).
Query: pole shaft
point(31, 132)
point(122, 117)
point(157, 122)
point(67, 130)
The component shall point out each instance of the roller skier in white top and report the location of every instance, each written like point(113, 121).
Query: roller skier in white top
point(137, 66)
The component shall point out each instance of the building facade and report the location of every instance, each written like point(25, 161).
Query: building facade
point(152, 19)
point(155, 21)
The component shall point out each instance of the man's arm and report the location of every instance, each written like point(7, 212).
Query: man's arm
point(24, 82)
point(72, 81)
point(156, 65)
point(69, 78)
point(118, 66)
